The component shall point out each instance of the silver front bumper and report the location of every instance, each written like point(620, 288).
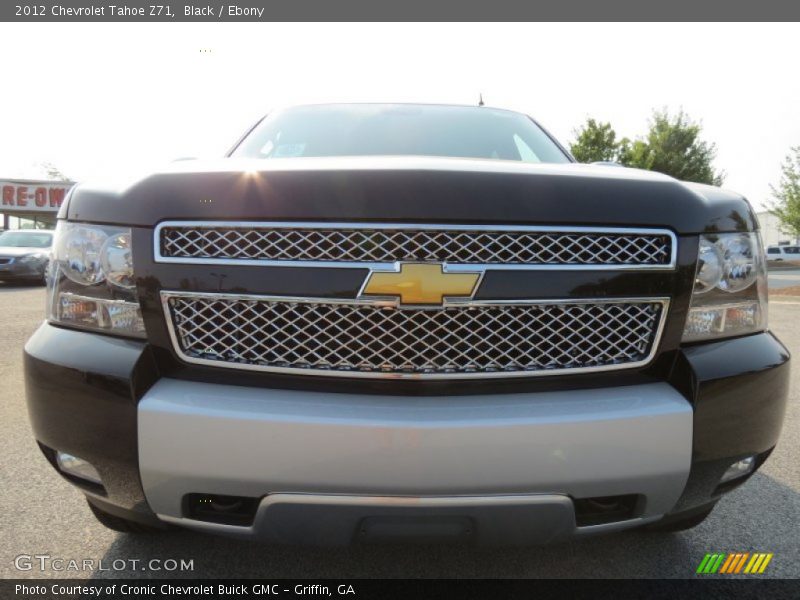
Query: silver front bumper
point(317, 452)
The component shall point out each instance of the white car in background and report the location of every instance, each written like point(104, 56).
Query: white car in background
point(783, 254)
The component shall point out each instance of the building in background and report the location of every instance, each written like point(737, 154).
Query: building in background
point(771, 232)
point(32, 204)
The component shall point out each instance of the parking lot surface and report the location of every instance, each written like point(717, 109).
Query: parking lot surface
point(42, 514)
point(781, 278)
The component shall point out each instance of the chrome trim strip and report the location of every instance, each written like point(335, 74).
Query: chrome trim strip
point(384, 302)
point(384, 266)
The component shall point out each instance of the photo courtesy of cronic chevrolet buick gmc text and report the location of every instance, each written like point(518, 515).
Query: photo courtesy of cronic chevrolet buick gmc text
point(378, 322)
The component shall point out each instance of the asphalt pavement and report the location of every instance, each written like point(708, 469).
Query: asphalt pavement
point(42, 514)
point(780, 278)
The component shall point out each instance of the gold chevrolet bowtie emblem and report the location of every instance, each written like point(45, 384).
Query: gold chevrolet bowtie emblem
point(418, 283)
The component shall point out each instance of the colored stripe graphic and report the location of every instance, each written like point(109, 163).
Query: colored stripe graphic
point(703, 563)
point(718, 563)
point(734, 562)
point(741, 562)
point(753, 564)
point(712, 560)
point(731, 560)
point(766, 562)
point(737, 560)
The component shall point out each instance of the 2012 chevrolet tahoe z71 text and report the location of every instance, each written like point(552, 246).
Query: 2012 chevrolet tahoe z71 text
point(373, 322)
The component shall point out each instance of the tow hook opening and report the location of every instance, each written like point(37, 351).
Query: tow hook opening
point(218, 508)
point(601, 510)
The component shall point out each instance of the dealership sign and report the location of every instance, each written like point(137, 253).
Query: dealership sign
point(17, 196)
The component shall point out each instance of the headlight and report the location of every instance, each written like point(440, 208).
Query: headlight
point(78, 249)
point(709, 267)
point(116, 260)
point(90, 280)
point(730, 288)
point(739, 261)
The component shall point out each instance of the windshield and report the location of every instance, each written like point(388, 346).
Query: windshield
point(25, 239)
point(400, 130)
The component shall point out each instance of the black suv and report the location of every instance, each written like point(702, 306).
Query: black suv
point(381, 321)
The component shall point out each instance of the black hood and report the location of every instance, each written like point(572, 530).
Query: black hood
point(413, 189)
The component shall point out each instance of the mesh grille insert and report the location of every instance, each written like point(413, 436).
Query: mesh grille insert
point(389, 245)
point(352, 338)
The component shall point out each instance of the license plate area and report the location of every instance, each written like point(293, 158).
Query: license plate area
point(418, 529)
point(341, 520)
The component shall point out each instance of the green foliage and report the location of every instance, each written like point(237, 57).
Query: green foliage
point(595, 142)
point(787, 194)
point(672, 146)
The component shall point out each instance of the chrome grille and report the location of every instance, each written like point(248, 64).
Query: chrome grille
point(361, 243)
point(351, 338)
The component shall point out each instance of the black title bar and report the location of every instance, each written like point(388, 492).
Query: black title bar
point(390, 589)
point(406, 10)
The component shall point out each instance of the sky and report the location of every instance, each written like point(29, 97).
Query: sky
point(106, 101)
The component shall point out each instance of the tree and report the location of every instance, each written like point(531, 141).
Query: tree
point(673, 147)
point(787, 194)
point(54, 172)
point(595, 141)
